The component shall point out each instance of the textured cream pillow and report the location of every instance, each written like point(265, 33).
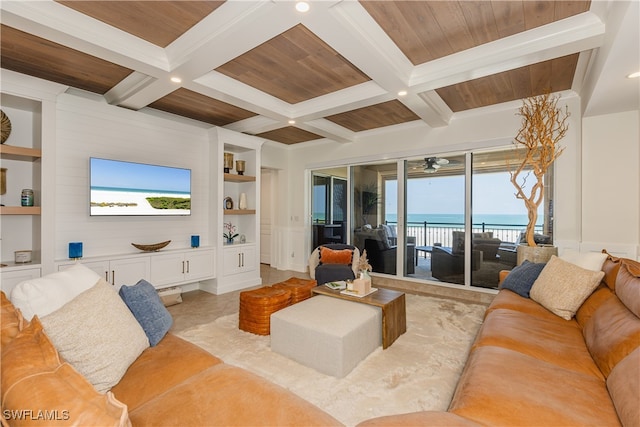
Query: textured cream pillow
point(97, 334)
point(587, 260)
point(562, 287)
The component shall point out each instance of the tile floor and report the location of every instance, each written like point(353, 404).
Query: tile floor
point(199, 307)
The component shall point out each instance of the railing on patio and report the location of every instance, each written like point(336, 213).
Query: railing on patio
point(430, 233)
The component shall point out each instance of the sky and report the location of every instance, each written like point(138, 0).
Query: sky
point(493, 193)
point(111, 173)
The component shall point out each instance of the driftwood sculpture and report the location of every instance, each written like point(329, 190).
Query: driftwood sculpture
point(537, 147)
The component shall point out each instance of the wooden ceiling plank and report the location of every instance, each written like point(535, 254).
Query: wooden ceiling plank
point(412, 27)
point(520, 82)
point(501, 86)
point(295, 66)
point(158, 22)
point(453, 24)
point(480, 20)
point(565, 9)
point(538, 13)
point(35, 56)
point(563, 70)
point(187, 103)
point(509, 17)
point(540, 75)
point(289, 135)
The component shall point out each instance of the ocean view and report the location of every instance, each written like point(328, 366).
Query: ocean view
point(501, 220)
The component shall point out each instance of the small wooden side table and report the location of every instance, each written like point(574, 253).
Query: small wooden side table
point(392, 303)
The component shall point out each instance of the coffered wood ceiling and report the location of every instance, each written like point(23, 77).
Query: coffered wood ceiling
point(256, 66)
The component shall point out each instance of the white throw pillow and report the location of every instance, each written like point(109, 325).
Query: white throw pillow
point(97, 334)
point(46, 294)
point(588, 260)
point(562, 287)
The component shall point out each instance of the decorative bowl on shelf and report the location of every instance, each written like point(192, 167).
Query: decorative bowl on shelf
point(5, 126)
point(152, 247)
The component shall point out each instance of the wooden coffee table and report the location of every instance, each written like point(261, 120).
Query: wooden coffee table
point(392, 303)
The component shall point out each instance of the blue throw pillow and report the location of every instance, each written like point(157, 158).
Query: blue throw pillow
point(521, 278)
point(148, 309)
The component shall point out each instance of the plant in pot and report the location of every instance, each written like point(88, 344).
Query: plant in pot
point(536, 148)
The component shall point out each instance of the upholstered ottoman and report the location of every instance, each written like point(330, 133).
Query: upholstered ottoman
point(328, 334)
point(256, 307)
point(300, 288)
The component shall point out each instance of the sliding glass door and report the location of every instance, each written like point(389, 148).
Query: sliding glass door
point(435, 217)
point(451, 218)
point(498, 217)
point(329, 206)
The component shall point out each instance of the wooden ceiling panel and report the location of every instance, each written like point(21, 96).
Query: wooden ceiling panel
point(34, 56)
point(294, 66)
point(425, 31)
point(374, 116)
point(158, 22)
point(555, 75)
point(187, 103)
point(289, 135)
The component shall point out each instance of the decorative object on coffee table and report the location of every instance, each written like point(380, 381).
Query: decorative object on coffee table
point(152, 247)
point(5, 124)
point(536, 147)
point(228, 162)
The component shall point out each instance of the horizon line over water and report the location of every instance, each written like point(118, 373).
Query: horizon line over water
point(507, 220)
point(140, 190)
point(511, 220)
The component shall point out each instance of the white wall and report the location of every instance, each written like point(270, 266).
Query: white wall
point(611, 183)
point(90, 128)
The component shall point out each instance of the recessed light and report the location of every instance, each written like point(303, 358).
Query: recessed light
point(176, 79)
point(634, 75)
point(302, 6)
point(402, 93)
point(292, 122)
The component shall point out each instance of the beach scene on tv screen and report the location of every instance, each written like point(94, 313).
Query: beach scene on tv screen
point(125, 188)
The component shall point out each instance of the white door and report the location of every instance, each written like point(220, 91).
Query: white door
point(266, 207)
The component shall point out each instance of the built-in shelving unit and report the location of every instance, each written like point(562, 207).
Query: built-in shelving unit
point(22, 158)
point(239, 211)
point(20, 210)
point(229, 177)
point(238, 265)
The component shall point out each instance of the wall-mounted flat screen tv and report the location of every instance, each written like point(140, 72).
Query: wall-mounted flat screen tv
point(126, 188)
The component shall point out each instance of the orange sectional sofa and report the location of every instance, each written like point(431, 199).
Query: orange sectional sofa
point(531, 367)
point(174, 383)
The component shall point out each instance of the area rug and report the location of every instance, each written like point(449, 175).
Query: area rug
point(418, 372)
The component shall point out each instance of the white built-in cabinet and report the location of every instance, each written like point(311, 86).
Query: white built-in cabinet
point(117, 271)
point(161, 269)
point(238, 266)
point(170, 268)
point(239, 259)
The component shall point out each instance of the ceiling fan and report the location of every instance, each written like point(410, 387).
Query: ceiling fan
point(432, 164)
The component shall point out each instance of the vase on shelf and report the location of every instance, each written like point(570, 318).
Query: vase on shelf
point(229, 240)
point(228, 162)
point(242, 204)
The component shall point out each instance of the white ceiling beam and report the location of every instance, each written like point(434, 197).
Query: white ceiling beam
point(65, 26)
point(571, 35)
